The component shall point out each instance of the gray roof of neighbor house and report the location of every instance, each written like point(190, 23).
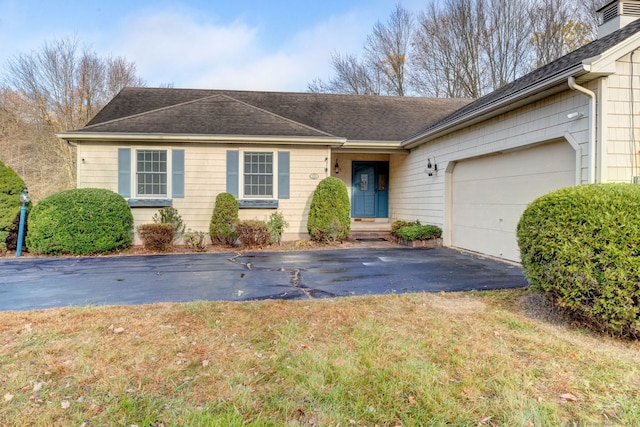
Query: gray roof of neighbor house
point(226, 112)
point(541, 79)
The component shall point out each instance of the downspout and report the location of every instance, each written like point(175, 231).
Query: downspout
point(592, 126)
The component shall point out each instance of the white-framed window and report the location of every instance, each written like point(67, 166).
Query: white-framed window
point(151, 173)
point(257, 176)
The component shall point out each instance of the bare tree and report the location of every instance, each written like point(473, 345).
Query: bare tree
point(449, 45)
point(463, 48)
point(63, 87)
point(588, 15)
point(351, 76)
point(506, 40)
point(387, 50)
point(558, 28)
point(19, 148)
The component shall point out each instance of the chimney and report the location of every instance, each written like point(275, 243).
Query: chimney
point(617, 14)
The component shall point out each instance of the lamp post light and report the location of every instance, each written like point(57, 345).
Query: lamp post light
point(24, 199)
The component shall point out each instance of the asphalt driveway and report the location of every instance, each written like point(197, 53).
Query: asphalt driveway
point(35, 283)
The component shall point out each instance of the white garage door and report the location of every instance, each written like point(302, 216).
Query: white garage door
point(490, 193)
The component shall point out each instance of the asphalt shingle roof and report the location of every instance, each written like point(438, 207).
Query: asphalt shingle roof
point(227, 112)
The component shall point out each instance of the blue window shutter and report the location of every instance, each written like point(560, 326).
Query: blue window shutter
point(124, 172)
point(283, 174)
point(232, 172)
point(177, 173)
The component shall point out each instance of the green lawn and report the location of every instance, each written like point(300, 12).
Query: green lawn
point(467, 359)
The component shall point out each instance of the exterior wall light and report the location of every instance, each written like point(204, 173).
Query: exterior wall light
point(24, 199)
point(336, 167)
point(431, 168)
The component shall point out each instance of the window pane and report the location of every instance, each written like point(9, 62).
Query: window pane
point(151, 173)
point(258, 174)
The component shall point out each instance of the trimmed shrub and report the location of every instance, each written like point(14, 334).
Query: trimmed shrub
point(156, 237)
point(580, 246)
point(411, 231)
point(224, 219)
point(80, 222)
point(11, 185)
point(195, 240)
point(170, 215)
point(253, 233)
point(329, 212)
point(397, 225)
point(276, 225)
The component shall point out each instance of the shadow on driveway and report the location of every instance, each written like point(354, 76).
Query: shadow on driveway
point(36, 283)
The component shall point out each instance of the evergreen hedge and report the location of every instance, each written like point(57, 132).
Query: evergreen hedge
point(80, 222)
point(413, 230)
point(329, 213)
point(580, 246)
point(224, 219)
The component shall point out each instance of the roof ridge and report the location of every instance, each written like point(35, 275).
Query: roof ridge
point(215, 95)
point(284, 92)
point(144, 113)
point(279, 116)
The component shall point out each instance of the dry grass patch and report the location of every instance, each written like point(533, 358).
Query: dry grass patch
point(421, 359)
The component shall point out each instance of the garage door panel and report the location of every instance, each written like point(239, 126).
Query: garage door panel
point(484, 241)
point(490, 193)
point(484, 216)
point(511, 189)
point(496, 216)
point(548, 157)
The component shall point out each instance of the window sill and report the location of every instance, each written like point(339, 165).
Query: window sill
point(258, 204)
point(149, 203)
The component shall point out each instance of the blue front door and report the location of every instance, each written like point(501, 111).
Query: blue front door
point(369, 194)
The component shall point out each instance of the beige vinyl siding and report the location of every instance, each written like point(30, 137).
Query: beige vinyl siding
point(621, 121)
point(205, 177)
point(98, 166)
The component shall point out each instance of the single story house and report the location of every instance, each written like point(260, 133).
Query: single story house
point(469, 166)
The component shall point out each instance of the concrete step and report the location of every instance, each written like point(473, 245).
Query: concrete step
point(370, 235)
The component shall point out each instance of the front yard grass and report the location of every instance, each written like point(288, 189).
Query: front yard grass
point(465, 359)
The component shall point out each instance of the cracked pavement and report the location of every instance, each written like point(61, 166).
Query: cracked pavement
point(36, 283)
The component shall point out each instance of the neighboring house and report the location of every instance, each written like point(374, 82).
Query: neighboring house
point(471, 167)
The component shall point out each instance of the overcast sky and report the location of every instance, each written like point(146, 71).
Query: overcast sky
point(231, 44)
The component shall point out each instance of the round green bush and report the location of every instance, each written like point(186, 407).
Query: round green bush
point(224, 219)
point(80, 222)
point(580, 246)
point(11, 185)
point(329, 213)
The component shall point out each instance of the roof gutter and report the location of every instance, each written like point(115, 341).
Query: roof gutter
point(380, 147)
point(495, 107)
point(592, 125)
point(180, 138)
